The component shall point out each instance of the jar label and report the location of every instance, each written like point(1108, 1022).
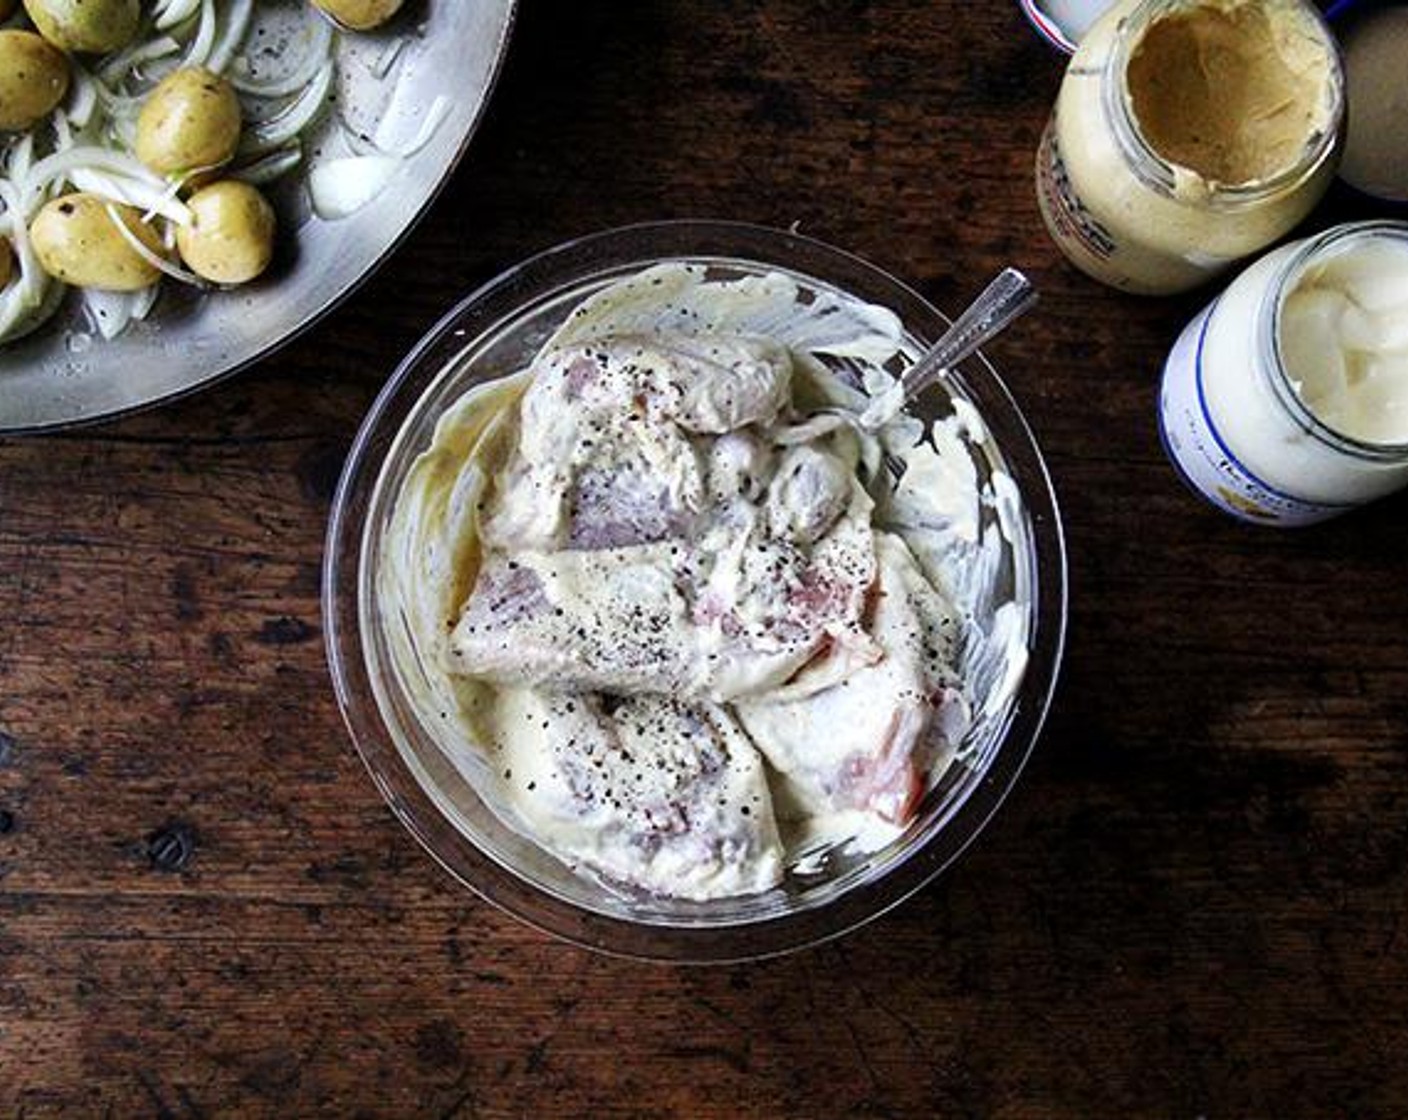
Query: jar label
point(1067, 216)
point(1201, 454)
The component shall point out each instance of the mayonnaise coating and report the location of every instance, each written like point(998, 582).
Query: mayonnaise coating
point(1344, 340)
point(687, 645)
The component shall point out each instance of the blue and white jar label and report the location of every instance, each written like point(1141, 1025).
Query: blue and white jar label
point(1201, 454)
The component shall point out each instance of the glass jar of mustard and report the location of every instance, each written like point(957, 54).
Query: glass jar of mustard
point(1285, 402)
point(1189, 134)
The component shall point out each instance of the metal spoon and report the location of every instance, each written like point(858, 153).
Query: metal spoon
point(1009, 295)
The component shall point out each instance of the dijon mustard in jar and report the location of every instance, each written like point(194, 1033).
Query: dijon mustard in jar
point(1187, 135)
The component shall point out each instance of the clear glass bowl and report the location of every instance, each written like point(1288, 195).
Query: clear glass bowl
point(496, 331)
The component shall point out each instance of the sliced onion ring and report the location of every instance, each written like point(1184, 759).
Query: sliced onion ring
point(156, 260)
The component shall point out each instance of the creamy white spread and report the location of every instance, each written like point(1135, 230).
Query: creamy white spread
point(1344, 339)
point(694, 637)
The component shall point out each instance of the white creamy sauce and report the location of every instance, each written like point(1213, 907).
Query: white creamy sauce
point(689, 646)
point(1344, 340)
point(654, 792)
point(1317, 327)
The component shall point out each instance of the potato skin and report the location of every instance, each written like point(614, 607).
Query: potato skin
point(190, 122)
point(359, 15)
point(34, 76)
point(96, 26)
point(7, 262)
point(231, 236)
point(77, 242)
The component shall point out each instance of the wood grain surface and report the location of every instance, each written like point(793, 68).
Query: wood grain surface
point(1192, 905)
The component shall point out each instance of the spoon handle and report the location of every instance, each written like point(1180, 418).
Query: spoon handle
point(1009, 295)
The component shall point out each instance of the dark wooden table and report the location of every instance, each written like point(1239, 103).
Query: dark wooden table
point(1191, 905)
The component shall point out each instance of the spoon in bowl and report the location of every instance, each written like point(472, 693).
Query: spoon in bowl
point(1009, 295)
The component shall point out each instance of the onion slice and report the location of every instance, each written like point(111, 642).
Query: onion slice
point(124, 63)
point(231, 35)
point(109, 313)
point(434, 118)
point(173, 13)
point(317, 55)
point(339, 187)
point(83, 99)
point(20, 158)
point(156, 260)
point(31, 297)
point(342, 186)
point(150, 198)
point(105, 171)
point(277, 131)
point(268, 168)
point(199, 50)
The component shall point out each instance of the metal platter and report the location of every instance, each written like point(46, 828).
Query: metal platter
point(448, 55)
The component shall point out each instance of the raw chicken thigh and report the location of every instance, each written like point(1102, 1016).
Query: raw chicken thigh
point(700, 650)
point(863, 743)
point(647, 791)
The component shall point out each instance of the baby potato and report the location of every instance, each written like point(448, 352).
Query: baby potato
point(85, 25)
point(77, 242)
point(231, 236)
point(359, 15)
point(190, 122)
point(33, 78)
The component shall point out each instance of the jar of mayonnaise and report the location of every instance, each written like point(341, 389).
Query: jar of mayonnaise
point(1189, 134)
point(1285, 401)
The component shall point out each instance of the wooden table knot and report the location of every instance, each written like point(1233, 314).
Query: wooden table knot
point(171, 847)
